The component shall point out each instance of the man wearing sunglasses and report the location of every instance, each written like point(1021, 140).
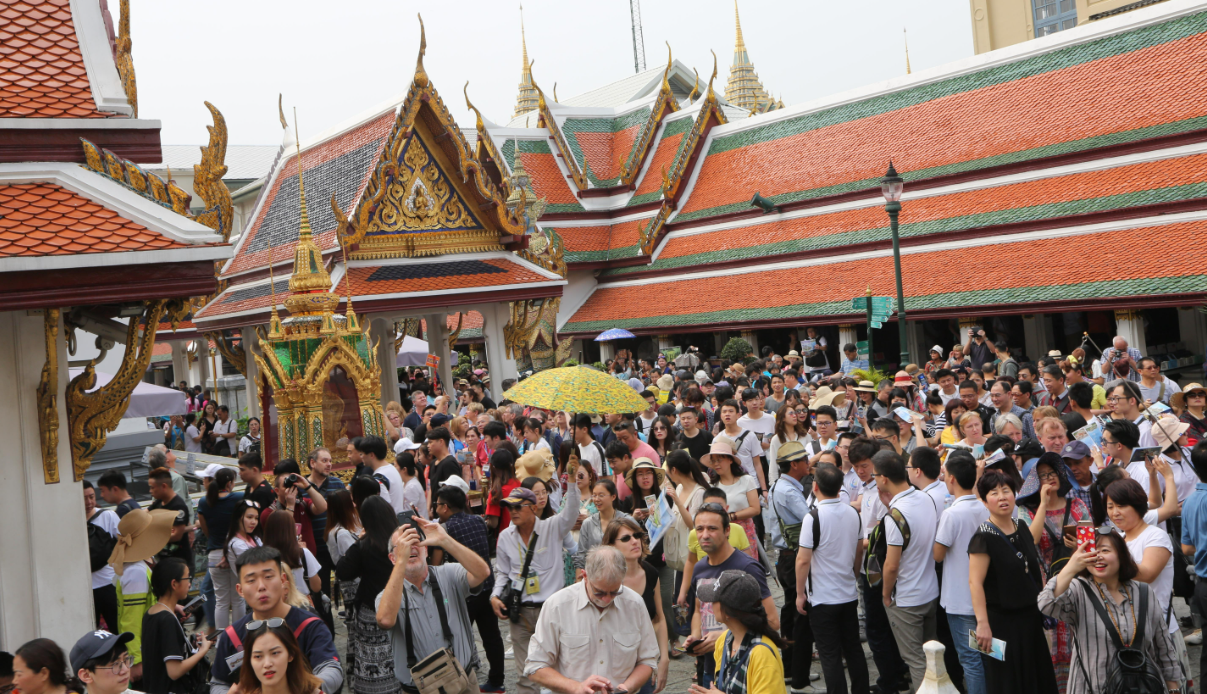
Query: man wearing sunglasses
point(262, 584)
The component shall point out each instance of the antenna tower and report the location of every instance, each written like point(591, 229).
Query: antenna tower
point(638, 39)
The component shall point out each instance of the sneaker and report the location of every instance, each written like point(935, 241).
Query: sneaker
point(492, 689)
point(814, 676)
point(509, 654)
point(1194, 638)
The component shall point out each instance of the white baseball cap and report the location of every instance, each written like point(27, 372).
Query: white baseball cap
point(455, 481)
point(211, 470)
point(403, 445)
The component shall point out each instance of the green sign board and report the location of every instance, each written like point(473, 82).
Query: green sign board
point(876, 323)
point(880, 304)
point(862, 346)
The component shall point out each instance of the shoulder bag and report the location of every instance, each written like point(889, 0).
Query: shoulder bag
point(440, 672)
point(513, 599)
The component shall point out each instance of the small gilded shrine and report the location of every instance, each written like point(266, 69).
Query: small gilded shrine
point(320, 365)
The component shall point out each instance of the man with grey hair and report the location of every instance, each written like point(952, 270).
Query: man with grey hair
point(1121, 361)
point(162, 456)
point(594, 636)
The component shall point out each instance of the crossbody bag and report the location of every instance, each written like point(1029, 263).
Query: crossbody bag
point(440, 672)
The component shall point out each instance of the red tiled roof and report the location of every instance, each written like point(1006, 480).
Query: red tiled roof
point(600, 238)
point(40, 219)
point(42, 72)
point(340, 166)
point(472, 321)
point(663, 157)
point(606, 152)
point(1090, 99)
point(184, 325)
point(548, 181)
point(1118, 257)
point(161, 348)
point(1079, 187)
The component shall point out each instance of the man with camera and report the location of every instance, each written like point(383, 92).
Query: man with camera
point(288, 487)
point(528, 567)
point(425, 608)
point(1121, 361)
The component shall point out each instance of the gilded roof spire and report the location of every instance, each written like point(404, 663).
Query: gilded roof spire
point(744, 88)
point(526, 100)
point(905, 33)
point(310, 285)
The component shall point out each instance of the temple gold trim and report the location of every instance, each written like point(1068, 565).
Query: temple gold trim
point(48, 399)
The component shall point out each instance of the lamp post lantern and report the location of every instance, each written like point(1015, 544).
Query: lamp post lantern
point(891, 186)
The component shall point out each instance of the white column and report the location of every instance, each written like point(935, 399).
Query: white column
point(199, 370)
point(1037, 335)
point(665, 342)
point(1193, 327)
point(382, 330)
point(847, 335)
point(1129, 324)
point(494, 318)
point(437, 344)
point(250, 345)
point(180, 362)
point(752, 338)
point(45, 587)
point(607, 351)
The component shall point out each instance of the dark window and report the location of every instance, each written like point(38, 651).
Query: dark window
point(1052, 16)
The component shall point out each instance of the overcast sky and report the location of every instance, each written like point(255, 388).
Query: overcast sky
point(334, 59)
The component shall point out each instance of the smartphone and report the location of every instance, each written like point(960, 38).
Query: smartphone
point(1070, 531)
point(1086, 533)
point(214, 636)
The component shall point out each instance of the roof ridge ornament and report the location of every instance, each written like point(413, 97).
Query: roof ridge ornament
point(310, 284)
point(696, 89)
point(526, 99)
point(670, 60)
point(421, 77)
point(125, 59)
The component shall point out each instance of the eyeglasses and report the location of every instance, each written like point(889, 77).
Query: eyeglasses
point(626, 538)
point(123, 663)
point(1049, 476)
point(274, 623)
point(539, 494)
point(1116, 398)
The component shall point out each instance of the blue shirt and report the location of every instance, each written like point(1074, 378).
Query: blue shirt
point(788, 504)
point(849, 366)
point(1194, 526)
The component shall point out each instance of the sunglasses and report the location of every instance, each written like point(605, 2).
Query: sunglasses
point(626, 538)
point(274, 623)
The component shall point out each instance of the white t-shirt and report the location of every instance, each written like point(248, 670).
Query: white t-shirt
point(310, 567)
point(415, 497)
point(917, 582)
point(339, 540)
point(937, 491)
point(644, 424)
point(591, 453)
point(1163, 585)
point(238, 546)
point(956, 527)
point(833, 582)
point(948, 398)
point(735, 494)
point(747, 451)
point(246, 443)
point(105, 520)
point(870, 508)
point(230, 426)
point(763, 427)
point(394, 494)
point(191, 446)
point(1184, 476)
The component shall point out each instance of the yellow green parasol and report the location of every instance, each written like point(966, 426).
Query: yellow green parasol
point(577, 389)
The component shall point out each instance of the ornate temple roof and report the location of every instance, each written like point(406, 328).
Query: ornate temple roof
point(744, 89)
point(1000, 152)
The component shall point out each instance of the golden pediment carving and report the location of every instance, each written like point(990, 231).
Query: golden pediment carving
point(420, 198)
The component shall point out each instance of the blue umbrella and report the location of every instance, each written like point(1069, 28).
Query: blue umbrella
point(615, 334)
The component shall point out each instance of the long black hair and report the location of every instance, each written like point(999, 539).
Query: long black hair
point(236, 525)
point(682, 461)
point(756, 623)
point(529, 483)
point(222, 478)
point(379, 522)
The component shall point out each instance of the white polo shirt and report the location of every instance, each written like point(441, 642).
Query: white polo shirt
point(831, 571)
point(1184, 476)
point(106, 520)
point(917, 582)
point(956, 527)
point(870, 508)
point(937, 490)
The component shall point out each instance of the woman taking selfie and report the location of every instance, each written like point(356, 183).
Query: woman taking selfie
point(748, 651)
point(1004, 579)
point(274, 662)
point(1098, 596)
point(627, 535)
point(168, 656)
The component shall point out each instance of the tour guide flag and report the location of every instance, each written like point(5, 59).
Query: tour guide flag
point(576, 389)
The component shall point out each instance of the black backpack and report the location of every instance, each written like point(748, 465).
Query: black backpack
point(1130, 670)
point(100, 544)
point(873, 562)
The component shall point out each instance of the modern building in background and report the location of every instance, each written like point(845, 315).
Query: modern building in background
point(1000, 23)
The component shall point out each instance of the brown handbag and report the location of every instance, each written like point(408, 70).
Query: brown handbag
point(439, 672)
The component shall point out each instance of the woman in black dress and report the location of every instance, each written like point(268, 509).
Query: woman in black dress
point(1004, 577)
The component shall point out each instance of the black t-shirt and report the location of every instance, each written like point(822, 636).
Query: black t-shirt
point(125, 507)
point(262, 494)
point(163, 639)
point(181, 549)
point(487, 403)
point(651, 584)
point(444, 469)
point(697, 446)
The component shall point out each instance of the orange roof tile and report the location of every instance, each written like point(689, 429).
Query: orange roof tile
point(42, 72)
point(40, 219)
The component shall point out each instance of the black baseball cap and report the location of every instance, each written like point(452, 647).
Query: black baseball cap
point(733, 589)
point(95, 644)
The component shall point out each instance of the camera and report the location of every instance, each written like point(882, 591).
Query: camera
point(292, 479)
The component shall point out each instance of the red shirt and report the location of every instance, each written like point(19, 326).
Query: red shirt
point(494, 508)
point(302, 511)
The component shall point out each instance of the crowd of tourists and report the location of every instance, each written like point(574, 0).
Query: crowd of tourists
point(1037, 518)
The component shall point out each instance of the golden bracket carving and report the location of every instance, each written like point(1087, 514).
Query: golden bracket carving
point(230, 353)
point(91, 416)
point(456, 334)
point(48, 399)
point(207, 179)
point(124, 59)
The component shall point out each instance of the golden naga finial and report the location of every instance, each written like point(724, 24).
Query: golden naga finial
point(124, 58)
point(207, 179)
point(555, 100)
point(420, 72)
point(479, 125)
point(667, 73)
point(714, 69)
point(695, 89)
point(281, 111)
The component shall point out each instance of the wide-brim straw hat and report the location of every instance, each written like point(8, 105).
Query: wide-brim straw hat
point(141, 535)
point(1167, 430)
point(722, 445)
point(827, 399)
point(1178, 400)
point(644, 463)
point(538, 463)
point(866, 387)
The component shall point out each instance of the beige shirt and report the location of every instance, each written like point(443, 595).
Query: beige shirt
point(578, 640)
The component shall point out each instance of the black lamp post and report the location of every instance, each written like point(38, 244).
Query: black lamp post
point(892, 185)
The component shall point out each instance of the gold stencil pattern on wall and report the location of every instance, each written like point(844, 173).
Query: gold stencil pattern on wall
point(421, 198)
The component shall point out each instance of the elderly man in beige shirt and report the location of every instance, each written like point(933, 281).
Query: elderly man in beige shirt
point(594, 636)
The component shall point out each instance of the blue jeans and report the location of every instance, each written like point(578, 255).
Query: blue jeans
point(974, 670)
point(207, 589)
